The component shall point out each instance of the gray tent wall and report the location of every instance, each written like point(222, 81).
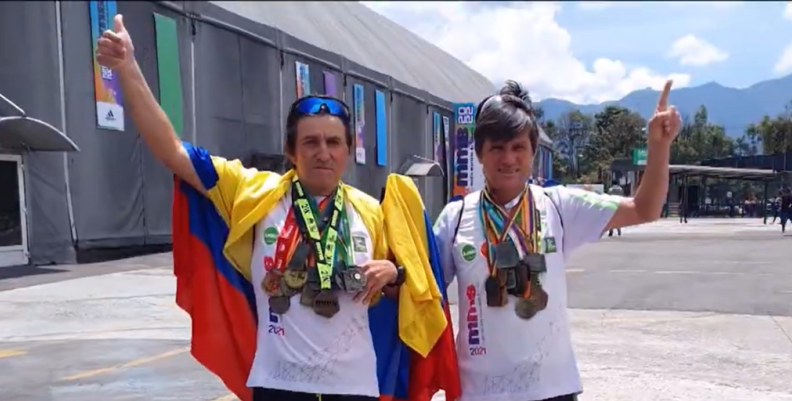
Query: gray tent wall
point(29, 76)
point(121, 195)
point(238, 77)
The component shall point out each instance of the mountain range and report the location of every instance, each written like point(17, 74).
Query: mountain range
point(732, 108)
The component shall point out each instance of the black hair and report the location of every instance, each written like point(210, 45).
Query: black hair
point(504, 116)
point(294, 117)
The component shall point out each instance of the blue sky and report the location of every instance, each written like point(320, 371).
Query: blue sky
point(589, 52)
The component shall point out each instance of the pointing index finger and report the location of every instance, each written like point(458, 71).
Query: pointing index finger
point(662, 102)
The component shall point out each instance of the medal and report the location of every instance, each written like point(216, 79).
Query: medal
point(295, 279)
point(525, 308)
point(506, 255)
point(271, 284)
point(511, 280)
point(338, 275)
point(299, 257)
point(538, 295)
point(313, 278)
point(522, 275)
point(354, 279)
point(307, 296)
point(326, 304)
point(539, 298)
point(279, 305)
point(536, 262)
point(287, 291)
point(492, 288)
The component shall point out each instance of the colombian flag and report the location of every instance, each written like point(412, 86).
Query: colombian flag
point(220, 300)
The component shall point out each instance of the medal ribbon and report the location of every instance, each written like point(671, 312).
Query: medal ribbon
point(288, 238)
point(492, 220)
point(324, 242)
point(494, 216)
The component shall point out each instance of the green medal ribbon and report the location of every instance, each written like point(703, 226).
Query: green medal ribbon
point(324, 242)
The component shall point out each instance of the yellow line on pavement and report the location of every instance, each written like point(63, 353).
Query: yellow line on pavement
point(129, 364)
point(8, 353)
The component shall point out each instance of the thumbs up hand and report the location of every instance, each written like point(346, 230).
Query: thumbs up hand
point(114, 48)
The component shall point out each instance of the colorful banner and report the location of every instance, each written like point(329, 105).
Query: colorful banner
point(382, 130)
point(447, 159)
point(437, 131)
point(467, 174)
point(107, 90)
point(360, 124)
point(303, 79)
point(169, 71)
point(329, 83)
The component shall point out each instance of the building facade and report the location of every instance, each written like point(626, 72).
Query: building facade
point(225, 73)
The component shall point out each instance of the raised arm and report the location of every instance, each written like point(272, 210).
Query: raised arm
point(116, 52)
point(647, 205)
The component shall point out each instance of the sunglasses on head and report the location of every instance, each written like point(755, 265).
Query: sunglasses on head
point(313, 105)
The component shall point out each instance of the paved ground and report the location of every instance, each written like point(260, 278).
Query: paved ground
point(702, 317)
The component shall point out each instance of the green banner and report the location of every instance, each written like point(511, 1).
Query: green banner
point(169, 70)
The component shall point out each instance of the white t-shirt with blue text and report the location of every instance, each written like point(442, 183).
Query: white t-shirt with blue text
point(503, 357)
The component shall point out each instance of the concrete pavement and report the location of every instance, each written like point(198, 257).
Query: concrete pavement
point(654, 316)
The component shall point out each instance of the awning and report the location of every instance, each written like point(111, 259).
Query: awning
point(417, 166)
point(22, 133)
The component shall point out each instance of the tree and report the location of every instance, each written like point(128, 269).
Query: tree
point(701, 140)
point(617, 131)
point(775, 134)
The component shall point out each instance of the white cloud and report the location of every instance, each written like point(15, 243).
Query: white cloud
point(784, 63)
point(521, 41)
point(690, 50)
point(788, 10)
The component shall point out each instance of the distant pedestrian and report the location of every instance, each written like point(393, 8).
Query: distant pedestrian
point(617, 190)
point(785, 208)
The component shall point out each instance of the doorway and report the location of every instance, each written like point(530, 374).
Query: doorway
point(13, 213)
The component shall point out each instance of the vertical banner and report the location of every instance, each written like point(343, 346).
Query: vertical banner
point(329, 83)
point(447, 159)
point(360, 124)
point(107, 91)
point(303, 79)
point(169, 70)
point(382, 130)
point(467, 175)
point(437, 131)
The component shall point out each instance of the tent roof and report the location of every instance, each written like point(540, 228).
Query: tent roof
point(365, 37)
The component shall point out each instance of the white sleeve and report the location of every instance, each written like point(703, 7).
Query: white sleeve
point(584, 214)
point(444, 229)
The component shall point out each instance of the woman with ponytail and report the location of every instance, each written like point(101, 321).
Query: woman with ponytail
point(507, 246)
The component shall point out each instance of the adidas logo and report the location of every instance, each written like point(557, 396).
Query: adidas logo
point(110, 116)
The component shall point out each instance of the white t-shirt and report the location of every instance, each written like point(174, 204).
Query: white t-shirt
point(503, 357)
point(300, 350)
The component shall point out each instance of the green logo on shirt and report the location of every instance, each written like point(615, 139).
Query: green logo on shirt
point(359, 243)
point(270, 235)
point(468, 252)
point(550, 245)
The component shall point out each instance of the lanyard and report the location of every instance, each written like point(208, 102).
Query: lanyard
point(288, 238)
point(497, 223)
point(323, 241)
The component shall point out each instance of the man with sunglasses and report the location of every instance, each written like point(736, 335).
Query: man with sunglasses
point(304, 252)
